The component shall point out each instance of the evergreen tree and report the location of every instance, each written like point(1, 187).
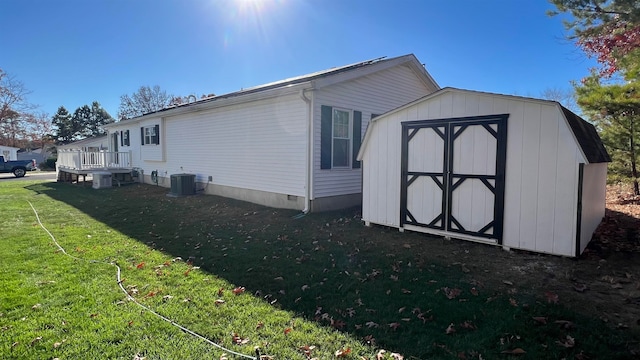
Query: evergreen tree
point(615, 109)
point(64, 132)
point(97, 119)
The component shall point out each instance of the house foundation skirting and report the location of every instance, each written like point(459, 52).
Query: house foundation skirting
point(266, 198)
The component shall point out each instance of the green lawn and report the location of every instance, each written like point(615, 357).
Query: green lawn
point(246, 276)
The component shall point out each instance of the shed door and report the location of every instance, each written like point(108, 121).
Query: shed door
point(453, 175)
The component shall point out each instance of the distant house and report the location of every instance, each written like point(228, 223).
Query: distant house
point(518, 172)
point(9, 152)
point(288, 144)
point(39, 155)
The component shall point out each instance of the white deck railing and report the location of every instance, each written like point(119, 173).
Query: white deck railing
point(86, 160)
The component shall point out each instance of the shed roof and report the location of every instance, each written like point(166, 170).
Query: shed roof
point(410, 58)
point(584, 132)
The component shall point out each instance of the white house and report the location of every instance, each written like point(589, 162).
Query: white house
point(518, 172)
point(9, 152)
point(288, 144)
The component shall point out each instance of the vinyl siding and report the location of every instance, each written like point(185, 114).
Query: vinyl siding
point(541, 168)
point(372, 94)
point(258, 145)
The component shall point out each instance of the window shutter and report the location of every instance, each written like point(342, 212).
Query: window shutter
point(121, 138)
point(326, 117)
point(142, 135)
point(357, 138)
point(157, 134)
point(127, 142)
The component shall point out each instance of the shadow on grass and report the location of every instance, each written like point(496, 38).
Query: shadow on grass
point(391, 290)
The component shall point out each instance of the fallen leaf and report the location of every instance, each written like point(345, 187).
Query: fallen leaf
point(238, 290)
point(140, 265)
point(580, 288)
point(569, 342)
point(167, 297)
point(306, 349)
point(565, 324)
point(507, 282)
point(450, 329)
point(219, 302)
point(260, 325)
point(220, 291)
point(474, 291)
point(239, 340)
point(343, 352)
point(287, 330)
point(394, 325)
point(371, 324)
point(451, 293)
point(516, 351)
point(513, 302)
point(36, 340)
point(36, 306)
point(551, 297)
point(540, 319)
point(468, 325)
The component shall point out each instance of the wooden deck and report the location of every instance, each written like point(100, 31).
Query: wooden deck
point(72, 165)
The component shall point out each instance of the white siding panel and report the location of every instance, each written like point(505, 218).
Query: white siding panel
point(513, 175)
point(530, 162)
point(373, 94)
point(547, 173)
point(258, 145)
point(593, 200)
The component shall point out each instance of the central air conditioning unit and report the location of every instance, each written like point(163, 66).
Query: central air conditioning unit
point(183, 184)
point(101, 179)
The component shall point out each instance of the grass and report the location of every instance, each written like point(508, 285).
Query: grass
point(322, 281)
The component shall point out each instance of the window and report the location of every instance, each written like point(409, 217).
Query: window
point(341, 138)
point(124, 138)
point(150, 135)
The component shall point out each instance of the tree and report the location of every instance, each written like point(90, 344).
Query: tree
point(145, 100)
point(615, 109)
point(39, 130)
point(13, 107)
point(607, 30)
point(98, 117)
point(85, 122)
point(65, 129)
point(566, 97)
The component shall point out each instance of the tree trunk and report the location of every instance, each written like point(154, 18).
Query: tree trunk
point(634, 169)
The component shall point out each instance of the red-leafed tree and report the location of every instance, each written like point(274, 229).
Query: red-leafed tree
point(608, 30)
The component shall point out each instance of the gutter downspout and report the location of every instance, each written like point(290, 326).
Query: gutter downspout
point(309, 153)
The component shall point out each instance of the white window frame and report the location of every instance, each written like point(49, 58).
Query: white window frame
point(350, 138)
point(149, 135)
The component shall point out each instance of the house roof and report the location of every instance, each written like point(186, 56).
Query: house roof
point(83, 142)
point(298, 80)
point(584, 132)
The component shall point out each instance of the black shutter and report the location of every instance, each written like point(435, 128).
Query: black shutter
point(157, 134)
point(121, 138)
point(142, 135)
point(127, 141)
point(357, 138)
point(326, 122)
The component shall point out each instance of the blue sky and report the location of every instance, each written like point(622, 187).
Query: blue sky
point(72, 52)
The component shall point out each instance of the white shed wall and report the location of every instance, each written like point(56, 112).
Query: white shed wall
point(541, 169)
point(593, 200)
point(373, 94)
point(10, 153)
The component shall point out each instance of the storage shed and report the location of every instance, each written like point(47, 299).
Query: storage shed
point(512, 171)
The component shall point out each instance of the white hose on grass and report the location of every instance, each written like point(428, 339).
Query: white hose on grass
point(129, 297)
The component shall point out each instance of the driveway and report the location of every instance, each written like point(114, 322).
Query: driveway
point(31, 175)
